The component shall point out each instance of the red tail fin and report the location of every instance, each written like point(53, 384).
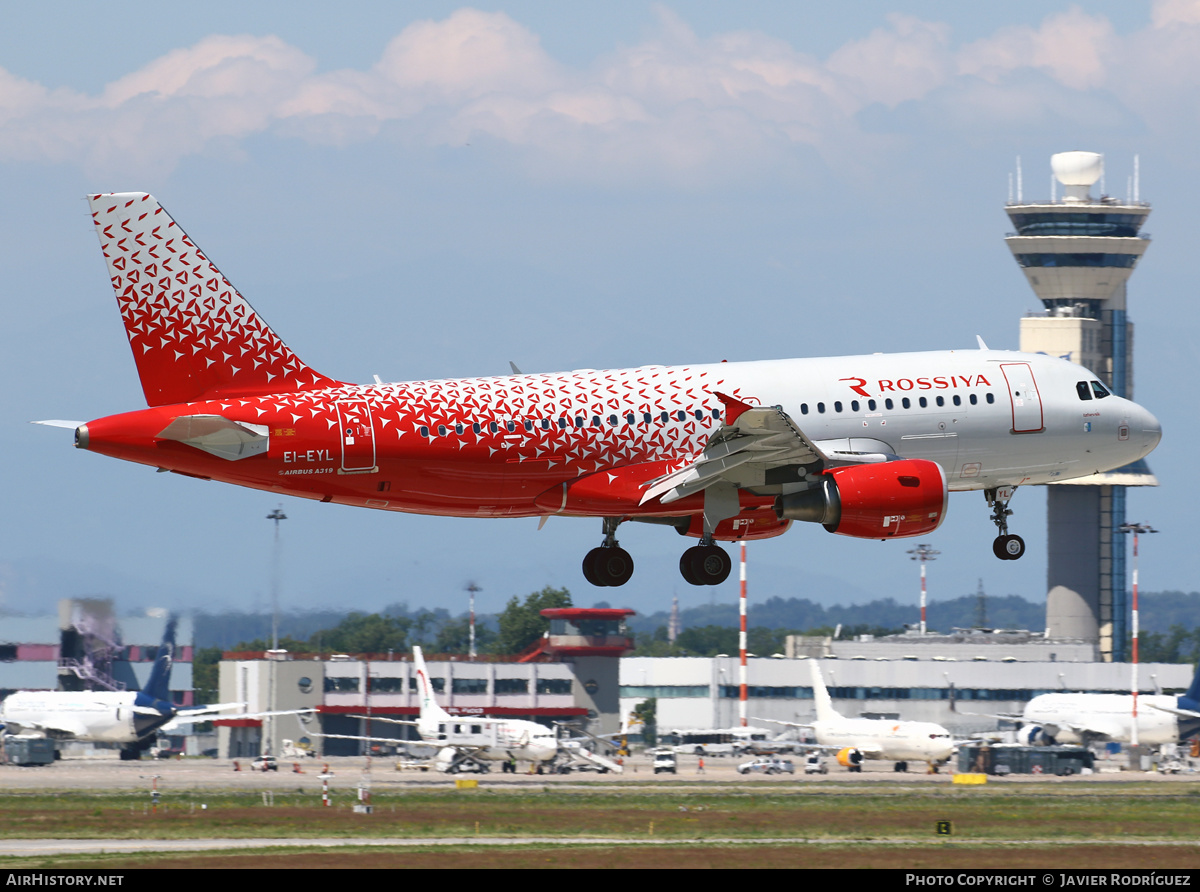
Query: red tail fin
point(193, 336)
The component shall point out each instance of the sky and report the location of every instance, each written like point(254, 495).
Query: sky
point(428, 190)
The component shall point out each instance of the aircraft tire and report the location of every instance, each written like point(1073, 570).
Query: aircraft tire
point(591, 567)
point(685, 568)
point(610, 566)
point(615, 565)
point(709, 565)
point(1008, 548)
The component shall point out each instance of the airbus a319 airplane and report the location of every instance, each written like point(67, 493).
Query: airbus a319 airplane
point(867, 446)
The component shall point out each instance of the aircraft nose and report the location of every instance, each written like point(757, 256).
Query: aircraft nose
point(1151, 429)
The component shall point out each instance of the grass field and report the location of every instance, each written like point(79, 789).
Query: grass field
point(1055, 825)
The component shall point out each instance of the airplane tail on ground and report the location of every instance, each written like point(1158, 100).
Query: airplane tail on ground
point(1193, 693)
point(194, 337)
point(825, 710)
point(431, 713)
point(158, 685)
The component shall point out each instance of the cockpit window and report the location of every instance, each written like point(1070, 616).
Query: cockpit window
point(1100, 390)
point(1084, 391)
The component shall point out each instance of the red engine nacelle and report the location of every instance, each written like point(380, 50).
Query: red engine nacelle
point(885, 500)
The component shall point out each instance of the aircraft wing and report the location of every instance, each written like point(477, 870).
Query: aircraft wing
point(779, 722)
point(394, 740)
point(762, 437)
point(1002, 716)
point(1185, 713)
point(1092, 728)
point(63, 724)
point(209, 713)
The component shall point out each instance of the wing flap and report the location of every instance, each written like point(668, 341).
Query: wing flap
point(759, 435)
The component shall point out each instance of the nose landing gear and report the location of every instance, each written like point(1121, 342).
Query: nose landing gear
point(610, 564)
point(1007, 547)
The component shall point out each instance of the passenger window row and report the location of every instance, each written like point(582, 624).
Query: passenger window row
point(577, 421)
point(905, 403)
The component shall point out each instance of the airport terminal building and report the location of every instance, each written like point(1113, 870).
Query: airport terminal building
point(957, 680)
point(703, 692)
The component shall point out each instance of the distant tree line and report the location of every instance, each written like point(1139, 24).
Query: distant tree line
point(1170, 623)
point(517, 628)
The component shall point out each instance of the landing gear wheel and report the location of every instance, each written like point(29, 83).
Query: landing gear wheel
point(685, 568)
point(1008, 548)
point(590, 572)
point(705, 565)
point(611, 566)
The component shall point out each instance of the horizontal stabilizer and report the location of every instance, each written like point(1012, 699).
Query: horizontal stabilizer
point(230, 440)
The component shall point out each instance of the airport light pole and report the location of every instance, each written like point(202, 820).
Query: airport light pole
point(276, 559)
point(472, 588)
point(1137, 529)
point(276, 515)
point(923, 553)
point(742, 639)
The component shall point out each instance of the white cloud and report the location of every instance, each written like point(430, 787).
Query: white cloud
point(1073, 47)
point(1165, 13)
point(674, 104)
point(892, 65)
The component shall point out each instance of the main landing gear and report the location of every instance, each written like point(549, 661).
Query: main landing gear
point(705, 564)
point(1006, 547)
point(610, 564)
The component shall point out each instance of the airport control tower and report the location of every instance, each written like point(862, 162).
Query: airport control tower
point(1077, 253)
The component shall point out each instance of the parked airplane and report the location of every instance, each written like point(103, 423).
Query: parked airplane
point(715, 451)
point(467, 738)
point(857, 739)
point(1092, 718)
point(130, 718)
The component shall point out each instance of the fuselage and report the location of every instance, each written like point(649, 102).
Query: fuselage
point(503, 446)
point(496, 740)
point(1080, 718)
point(100, 716)
point(885, 739)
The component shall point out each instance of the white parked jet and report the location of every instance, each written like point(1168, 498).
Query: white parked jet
point(856, 739)
point(462, 739)
point(477, 737)
point(1093, 718)
point(130, 718)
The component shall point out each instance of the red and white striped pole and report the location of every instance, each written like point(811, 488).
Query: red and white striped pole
point(742, 641)
point(1135, 528)
point(923, 553)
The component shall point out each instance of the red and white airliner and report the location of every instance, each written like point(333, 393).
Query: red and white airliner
point(867, 446)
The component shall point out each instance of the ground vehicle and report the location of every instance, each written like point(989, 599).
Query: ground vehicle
point(265, 763)
point(665, 761)
point(815, 764)
point(767, 765)
point(712, 741)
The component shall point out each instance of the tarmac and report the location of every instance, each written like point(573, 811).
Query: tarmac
point(385, 773)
